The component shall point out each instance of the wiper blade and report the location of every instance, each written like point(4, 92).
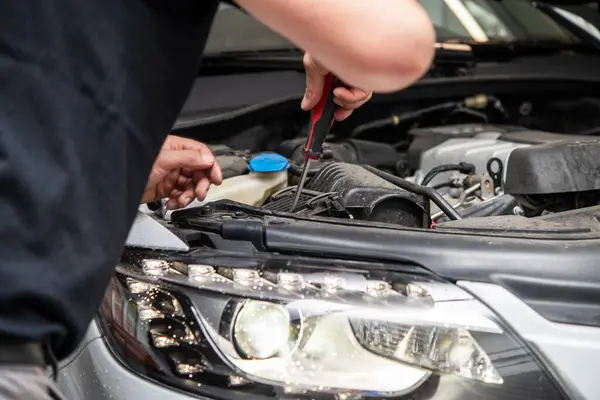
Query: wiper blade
point(520, 48)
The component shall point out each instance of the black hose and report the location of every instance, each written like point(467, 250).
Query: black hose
point(406, 117)
point(442, 185)
point(464, 168)
point(500, 205)
point(466, 106)
point(428, 192)
point(380, 123)
point(474, 113)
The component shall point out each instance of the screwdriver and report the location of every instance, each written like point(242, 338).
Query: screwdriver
point(321, 121)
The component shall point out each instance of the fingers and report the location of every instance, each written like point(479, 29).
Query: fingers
point(182, 181)
point(183, 170)
point(315, 81)
point(347, 96)
point(179, 143)
point(181, 198)
point(215, 175)
point(201, 184)
point(182, 193)
point(349, 99)
point(169, 160)
point(189, 188)
point(341, 114)
point(180, 187)
point(197, 186)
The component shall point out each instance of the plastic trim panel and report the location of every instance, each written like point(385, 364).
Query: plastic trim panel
point(571, 352)
point(529, 267)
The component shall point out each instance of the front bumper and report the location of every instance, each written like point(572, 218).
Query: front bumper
point(571, 354)
point(93, 373)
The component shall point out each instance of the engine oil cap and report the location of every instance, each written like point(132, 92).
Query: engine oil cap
point(268, 162)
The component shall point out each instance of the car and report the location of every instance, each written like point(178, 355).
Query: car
point(445, 245)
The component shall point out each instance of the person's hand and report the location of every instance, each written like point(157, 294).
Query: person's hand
point(183, 170)
point(347, 98)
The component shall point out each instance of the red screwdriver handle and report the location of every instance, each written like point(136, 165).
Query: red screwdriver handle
point(321, 120)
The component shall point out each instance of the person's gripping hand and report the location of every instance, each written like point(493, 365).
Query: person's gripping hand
point(183, 170)
point(347, 98)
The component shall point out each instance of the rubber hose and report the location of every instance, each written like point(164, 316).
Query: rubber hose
point(380, 123)
point(464, 168)
point(426, 191)
point(442, 185)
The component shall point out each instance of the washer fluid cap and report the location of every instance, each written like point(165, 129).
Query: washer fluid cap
point(268, 162)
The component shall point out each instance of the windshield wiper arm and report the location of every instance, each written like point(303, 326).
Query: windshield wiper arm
point(577, 31)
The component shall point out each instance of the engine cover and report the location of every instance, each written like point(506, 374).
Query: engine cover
point(360, 193)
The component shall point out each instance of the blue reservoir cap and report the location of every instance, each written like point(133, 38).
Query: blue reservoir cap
point(268, 162)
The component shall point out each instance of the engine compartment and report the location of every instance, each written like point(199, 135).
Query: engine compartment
point(477, 158)
point(491, 172)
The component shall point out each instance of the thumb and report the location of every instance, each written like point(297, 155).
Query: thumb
point(173, 159)
point(315, 82)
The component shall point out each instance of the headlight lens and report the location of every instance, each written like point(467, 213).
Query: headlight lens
point(311, 327)
point(261, 330)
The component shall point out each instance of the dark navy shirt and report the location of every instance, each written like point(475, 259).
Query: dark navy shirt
point(88, 92)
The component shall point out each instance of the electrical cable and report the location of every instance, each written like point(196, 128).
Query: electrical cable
point(395, 120)
point(469, 106)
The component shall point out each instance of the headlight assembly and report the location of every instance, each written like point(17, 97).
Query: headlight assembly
point(222, 325)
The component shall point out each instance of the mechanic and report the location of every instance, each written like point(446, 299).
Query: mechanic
point(89, 90)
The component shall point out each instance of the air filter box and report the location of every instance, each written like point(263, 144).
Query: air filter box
point(554, 168)
point(364, 195)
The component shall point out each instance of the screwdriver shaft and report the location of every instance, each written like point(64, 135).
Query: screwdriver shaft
point(300, 184)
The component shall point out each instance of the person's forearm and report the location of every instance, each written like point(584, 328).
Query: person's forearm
point(380, 45)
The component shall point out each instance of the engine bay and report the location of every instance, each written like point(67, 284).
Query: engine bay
point(455, 165)
point(476, 170)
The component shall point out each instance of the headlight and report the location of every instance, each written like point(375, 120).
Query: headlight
point(279, 328)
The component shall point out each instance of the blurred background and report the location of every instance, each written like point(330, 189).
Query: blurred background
point(454, 20)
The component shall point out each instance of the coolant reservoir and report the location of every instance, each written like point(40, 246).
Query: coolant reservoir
point(268, 174)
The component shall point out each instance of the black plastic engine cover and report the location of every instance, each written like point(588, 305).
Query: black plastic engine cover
point(368, 197)
point(562, 167)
